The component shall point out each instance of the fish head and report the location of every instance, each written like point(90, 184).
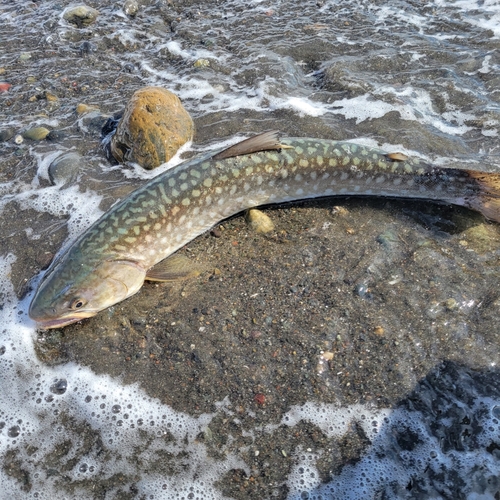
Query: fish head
point(69, 295)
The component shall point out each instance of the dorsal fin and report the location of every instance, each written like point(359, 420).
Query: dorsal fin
point(261, 142)
point(397, 156)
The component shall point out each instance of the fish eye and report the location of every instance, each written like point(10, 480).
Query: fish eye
point(77, 303)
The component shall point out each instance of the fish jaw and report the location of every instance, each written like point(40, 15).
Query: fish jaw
point(59, 302)
point(46, 322)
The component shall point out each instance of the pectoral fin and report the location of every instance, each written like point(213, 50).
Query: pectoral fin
point(175, 267)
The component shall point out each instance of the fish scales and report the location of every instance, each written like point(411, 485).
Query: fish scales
point(170, 210)
point(221, 188)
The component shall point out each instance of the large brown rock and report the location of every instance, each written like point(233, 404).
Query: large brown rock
point(153, 127)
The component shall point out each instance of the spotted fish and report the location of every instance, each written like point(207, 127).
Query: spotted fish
point(111, 260)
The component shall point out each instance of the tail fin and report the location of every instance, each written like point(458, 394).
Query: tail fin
point(487, 200)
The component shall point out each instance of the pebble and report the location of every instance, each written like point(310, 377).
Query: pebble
point(25, 56)
point(85, 108)
point(4, 86)
point(86, 48)
point(65, 168)
point(51, 97)
point(18, 139)
point(259, 221)
point(81, 15)
point(201, 63)
point(6, 134)
point(55, 135)
point(131, 7)
point(36, 133)
point(451, 304)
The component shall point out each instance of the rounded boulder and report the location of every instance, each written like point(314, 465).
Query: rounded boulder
point(153, 127)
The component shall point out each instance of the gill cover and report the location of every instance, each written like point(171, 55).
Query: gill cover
point(59, 302)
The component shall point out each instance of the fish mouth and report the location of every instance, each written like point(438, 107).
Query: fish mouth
point(47, 323)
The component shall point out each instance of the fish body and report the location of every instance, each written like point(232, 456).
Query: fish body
point(111, 260)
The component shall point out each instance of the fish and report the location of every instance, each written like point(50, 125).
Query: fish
point(131, 243)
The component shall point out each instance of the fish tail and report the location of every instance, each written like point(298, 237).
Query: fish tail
point(487, 194)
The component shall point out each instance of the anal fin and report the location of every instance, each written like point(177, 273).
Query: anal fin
point(261, 142)
point(173, 268)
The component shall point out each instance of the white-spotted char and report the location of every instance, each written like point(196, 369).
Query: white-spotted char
point(111, 260)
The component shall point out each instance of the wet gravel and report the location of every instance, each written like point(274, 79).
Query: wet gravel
point(384, 303)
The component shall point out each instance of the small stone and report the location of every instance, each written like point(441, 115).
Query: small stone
point(81, 16)
point(51, 97)
point(338, 210)
point(4, 86)
point(85, 108)
point(327, 356)
point(25, 56)
point(259, 221)
point(131, 7)
point(55, 135)
point(18, 139)
point(92, 122)
point(64, 169)
point(31, 79)
point(36, 133)
point(6, 134)
point(86, 48)
point(451, 305)
point(153, 127)
point(378, 330)
point(260, 398)
point(201, 63)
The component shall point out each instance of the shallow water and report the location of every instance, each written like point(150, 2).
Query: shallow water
point(353, 353)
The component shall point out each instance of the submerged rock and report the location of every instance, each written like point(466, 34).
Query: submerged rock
point(6, 134)
point(153, 127)
point(81, 15)
point(65, 168)
point(131, 7)
point(36, 133)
